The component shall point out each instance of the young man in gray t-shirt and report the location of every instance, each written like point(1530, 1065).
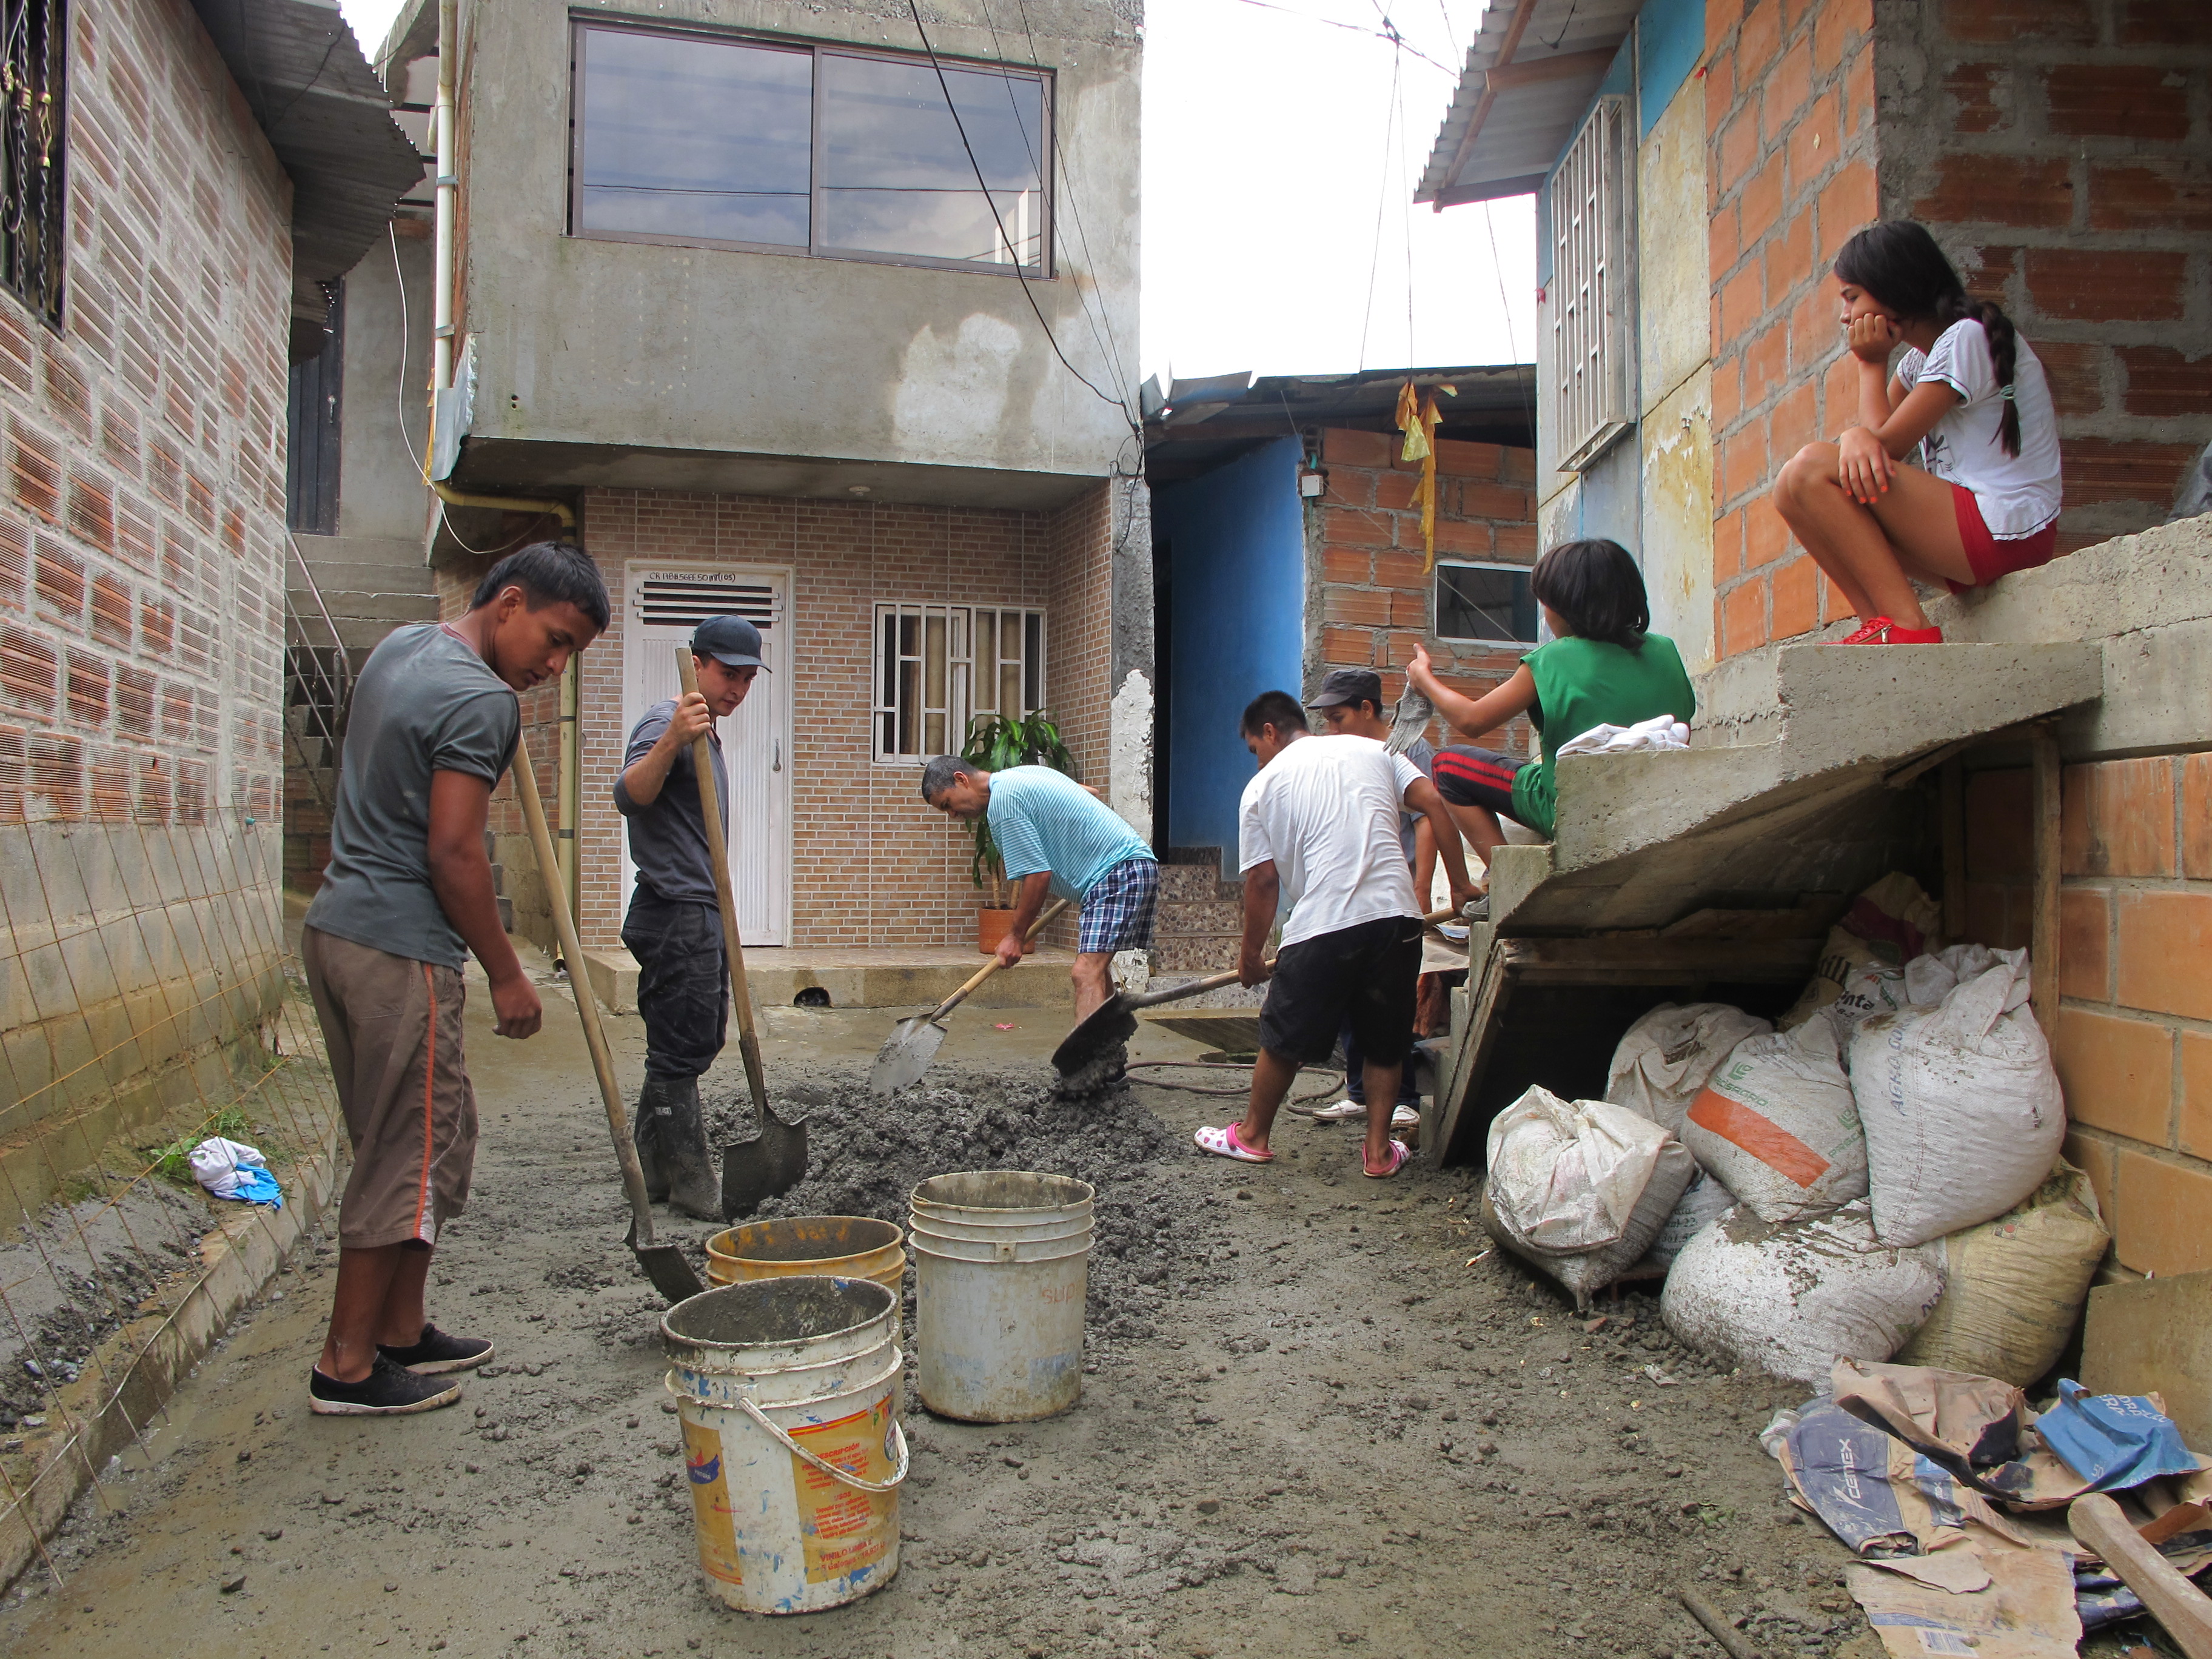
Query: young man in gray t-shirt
point(408, 897)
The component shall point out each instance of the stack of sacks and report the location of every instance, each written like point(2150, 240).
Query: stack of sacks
point(1899, 1133)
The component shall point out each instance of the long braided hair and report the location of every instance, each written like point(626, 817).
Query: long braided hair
point(1897, 261)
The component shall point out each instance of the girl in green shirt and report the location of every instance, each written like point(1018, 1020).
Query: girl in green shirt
point(1603, 666)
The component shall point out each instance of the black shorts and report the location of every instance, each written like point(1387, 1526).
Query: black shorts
point(1467, 776)
point(1364, 976)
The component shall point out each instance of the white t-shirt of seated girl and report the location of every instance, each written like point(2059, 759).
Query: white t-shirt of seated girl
point(2018, 494)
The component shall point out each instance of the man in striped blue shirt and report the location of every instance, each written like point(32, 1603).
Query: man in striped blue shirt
point(1055, 836)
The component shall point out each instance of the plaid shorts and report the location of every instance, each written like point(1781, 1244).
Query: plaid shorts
point(1117, 911)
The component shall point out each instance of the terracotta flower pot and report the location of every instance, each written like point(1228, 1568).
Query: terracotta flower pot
point(991, 927)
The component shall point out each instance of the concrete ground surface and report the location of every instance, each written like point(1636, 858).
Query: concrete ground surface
point(1333, 1430)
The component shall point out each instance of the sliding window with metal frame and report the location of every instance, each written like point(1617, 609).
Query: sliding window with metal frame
point(938, 666)
point(777, 146)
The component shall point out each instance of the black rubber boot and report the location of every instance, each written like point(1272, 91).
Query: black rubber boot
point(647, 1129)
point(693, 1187)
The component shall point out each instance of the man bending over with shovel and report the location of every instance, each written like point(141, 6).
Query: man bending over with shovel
point(1320, 832)
point(407, 899)
point(1055, 836)
point(674, 927)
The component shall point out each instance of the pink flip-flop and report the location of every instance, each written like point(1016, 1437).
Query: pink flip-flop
point(1222, 1143)
point(1399, 1153)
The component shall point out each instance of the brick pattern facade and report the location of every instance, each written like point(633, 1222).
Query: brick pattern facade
point(1374, 602)
point(141, 618)
point(1791, 173)
point(2134, 1028)
point(869, 860)
point(2058, 151)
point(2055, 147)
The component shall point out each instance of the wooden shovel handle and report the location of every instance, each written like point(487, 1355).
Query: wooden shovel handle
point(1216, 981)
point(991, 967)
point(587, 1006)
point(726, 898)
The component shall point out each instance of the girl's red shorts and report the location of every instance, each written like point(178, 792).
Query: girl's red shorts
point(1990, 557)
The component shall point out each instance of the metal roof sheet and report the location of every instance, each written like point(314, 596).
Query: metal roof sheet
point(1531, 71)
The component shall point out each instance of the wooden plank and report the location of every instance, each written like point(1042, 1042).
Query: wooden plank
point(1490, 1001)
point(1535, 72)
point(2097, 1521)
point(1954, 810)
point(2042, 936)
point(2154, 1336)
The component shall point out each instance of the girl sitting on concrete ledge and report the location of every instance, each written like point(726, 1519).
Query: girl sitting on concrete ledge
point(1971, 396)
point(1602, 666)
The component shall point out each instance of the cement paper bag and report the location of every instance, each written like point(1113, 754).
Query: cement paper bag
point(1778, 1124)
point(1974, 1427)
point(1871, 1489)
point(1794, 1299)
point(1959, 1101)
point(2026, 1613)
point(1664, 1059)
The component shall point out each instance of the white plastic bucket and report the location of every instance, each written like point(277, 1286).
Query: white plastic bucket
point(789, 1393)
point(1001, 1269)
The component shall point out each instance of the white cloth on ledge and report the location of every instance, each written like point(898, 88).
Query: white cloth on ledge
point(1659, 732)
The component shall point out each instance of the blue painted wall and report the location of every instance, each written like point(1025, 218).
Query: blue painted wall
point(1670, 39)
point(1236, 558)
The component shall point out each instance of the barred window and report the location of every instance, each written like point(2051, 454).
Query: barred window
point(34, 81)
point(939, 665)
point(1590, 340)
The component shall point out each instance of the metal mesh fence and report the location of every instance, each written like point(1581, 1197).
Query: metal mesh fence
point(147, 999)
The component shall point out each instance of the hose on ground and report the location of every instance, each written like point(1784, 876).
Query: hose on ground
point(1222, 1066)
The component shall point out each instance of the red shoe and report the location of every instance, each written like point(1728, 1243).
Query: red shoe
point(1882, 631)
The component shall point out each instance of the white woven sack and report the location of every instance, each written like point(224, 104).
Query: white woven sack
point(1703, 1202)
point(1665, 1058)
point(1565, 1178)
point(1793, 1299)
point(1778, 1124)
point(1959, 1103)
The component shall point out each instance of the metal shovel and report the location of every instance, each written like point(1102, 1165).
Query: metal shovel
point(774, 1160)
point(906, 1053)
point(1115, 1020)
point(664, 1264)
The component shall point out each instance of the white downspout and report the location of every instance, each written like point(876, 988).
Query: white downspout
point(441, 123)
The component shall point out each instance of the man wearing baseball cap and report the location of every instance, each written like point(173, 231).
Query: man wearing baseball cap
point(1350, 702)
point(674, 927)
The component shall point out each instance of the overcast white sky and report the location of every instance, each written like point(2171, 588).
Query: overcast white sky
point(1280, 158)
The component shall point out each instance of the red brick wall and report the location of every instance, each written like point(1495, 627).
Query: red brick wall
point(2134, 1028)
point(1376, 602)
point(2058, 149)
point(1789, 106)
point(870, 861)
point(142, 534)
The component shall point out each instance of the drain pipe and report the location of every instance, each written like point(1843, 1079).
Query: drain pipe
point(443, 284)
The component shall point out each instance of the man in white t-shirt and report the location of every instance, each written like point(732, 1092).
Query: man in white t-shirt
point(1319, 832)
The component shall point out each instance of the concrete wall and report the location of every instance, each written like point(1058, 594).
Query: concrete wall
point(142, 607)
point(2058, 151)
point(1370, 600)
point(630, 348)
point(1651, 491)
point(1234, 543)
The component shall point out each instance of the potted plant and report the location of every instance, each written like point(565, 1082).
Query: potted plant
point(996, 742)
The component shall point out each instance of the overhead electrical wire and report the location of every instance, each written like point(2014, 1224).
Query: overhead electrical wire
point(1388, 32)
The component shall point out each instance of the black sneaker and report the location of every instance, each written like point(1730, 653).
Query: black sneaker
point(386, 1391)
point(437, 1351)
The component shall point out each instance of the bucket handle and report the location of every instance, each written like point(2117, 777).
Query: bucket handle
point(898, 1476)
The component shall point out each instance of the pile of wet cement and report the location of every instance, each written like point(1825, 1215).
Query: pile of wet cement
point(1155, 1236)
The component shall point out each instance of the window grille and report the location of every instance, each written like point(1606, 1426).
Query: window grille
point(1485, 603)
point(34, 79)
point(939, 667)
point(1589, 349)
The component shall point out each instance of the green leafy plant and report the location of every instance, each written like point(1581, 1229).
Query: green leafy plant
point(174, 1161)
point(994, 743)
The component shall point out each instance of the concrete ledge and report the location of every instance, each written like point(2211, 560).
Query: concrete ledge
point(613, 975)
point(906, 977)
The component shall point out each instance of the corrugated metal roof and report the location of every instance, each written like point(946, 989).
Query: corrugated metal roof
point(326, 116)
point(1531, 71)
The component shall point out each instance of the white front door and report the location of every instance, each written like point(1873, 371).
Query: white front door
point(666, 602)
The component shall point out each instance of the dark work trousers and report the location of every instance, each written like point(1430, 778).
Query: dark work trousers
point(682, 982)
point(1355, 1070)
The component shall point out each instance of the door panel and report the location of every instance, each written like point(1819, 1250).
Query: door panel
point(666, 602)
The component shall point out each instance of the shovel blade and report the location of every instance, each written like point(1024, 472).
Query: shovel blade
point(1110, 1023)
point(769, 1164)
point(664, 1265)
point(905, 1056)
